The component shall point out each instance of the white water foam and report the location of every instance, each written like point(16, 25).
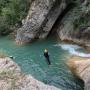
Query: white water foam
point(73, 49)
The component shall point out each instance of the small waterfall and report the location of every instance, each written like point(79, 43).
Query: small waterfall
point(73, 49)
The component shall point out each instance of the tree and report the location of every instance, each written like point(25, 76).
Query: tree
point(13, 11)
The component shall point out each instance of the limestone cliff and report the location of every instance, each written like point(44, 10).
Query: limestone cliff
point(11, 78)
point(81, 68)
point(75, 25)
point(40, 19)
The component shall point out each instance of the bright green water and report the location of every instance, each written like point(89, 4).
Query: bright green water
point(30, 59)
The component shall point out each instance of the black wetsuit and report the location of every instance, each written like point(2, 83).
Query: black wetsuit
point(47, 58)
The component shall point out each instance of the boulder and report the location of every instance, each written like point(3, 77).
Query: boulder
point(40, 19)
point(75, 25)
point(11, 78)
point(81, 68)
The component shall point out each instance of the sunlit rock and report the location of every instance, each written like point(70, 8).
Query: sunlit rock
point(81, 68)
point(11, 78)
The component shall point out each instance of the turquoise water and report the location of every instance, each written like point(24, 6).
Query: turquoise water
point(30, 59)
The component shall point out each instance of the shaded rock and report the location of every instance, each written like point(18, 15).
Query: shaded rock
point(75, 25)
point(11, 78)
point(81, 68)
point(40, 19)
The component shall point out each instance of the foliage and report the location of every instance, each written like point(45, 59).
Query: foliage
point(82, 21)
point(3, 54)
point(83, 17)
point(11, 13)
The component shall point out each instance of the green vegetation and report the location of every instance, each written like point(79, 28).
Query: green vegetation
point(11, 14)
point(81, 22)
point(83, 17)
point(3, 54)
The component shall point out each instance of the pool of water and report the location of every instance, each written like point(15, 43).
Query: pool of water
point(31, 60)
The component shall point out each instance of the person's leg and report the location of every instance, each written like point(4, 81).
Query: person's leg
point(48, 60)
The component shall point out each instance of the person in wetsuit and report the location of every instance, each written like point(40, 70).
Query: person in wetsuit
point(46, 55)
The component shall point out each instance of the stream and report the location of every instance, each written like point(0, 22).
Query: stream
point(31, 60)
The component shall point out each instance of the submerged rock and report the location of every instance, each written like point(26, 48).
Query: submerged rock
point(81, 68)
point(40, 19)
point(11, 78)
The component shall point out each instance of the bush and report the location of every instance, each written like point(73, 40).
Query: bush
point(3, 54)
point(11, 13)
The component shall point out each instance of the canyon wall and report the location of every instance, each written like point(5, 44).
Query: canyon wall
point(40, 19)
point(70, 19)
point(75, 25)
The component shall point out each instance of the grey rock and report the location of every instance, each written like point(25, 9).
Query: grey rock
point(72, 28)
point(40, 19)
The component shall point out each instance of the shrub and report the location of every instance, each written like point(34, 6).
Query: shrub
point(3, 54)
point(11, 14)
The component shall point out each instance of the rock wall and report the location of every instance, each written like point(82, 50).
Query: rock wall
point(81, 68)
point(11, 78)
point(40, 19)
point(75, 25)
